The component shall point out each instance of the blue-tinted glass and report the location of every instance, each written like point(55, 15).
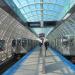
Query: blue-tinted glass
point(32, 7)
point(30, 1)
point(35, 17)
point(17, 3)
point(45, 6)
point(52, 9)
point(72, 2)
point(31, 18)
point(44, 11)
point(33, 13)
point(61, 2)
point(22, 11)
point(50, 16)
point(42, 30)
point(51, 13)
point(44, 16)
point(66, 9)
point(46, 1)
point(58, 8)
point(22, 2)
point(39, 16)
point(53, 1)
point(29, 14)
point(25, 16)
point(26, 9)
point(37, 1)
point(38, 12)
point(38, 6)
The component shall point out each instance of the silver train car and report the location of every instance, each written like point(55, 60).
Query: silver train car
point(14, 37)
point(62, 38)
point(65, 45)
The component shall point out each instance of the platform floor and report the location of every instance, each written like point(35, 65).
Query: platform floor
point(53, 65)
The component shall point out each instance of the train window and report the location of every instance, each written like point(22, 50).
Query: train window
point(13, 43)
point(71, 42)
point(65, 43)
point(2, 45)
point(24, 42)
point(19, 42)
point(68, 41)
point(29, 41)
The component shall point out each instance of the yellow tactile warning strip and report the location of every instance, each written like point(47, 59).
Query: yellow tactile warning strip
point(53, 65)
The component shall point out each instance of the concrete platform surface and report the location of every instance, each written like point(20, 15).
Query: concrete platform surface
point(53, 65)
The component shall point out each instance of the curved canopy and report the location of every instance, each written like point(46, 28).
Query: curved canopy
point(46, 31)
point(46, 10)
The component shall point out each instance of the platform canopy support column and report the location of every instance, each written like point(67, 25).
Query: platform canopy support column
point(43, 53)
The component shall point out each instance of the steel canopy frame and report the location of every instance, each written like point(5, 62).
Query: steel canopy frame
point(33, 7)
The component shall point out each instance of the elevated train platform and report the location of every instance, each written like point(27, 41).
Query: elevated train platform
point(31, 64)
point(25, 24)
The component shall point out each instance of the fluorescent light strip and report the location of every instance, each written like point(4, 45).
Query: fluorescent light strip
point(68, 14)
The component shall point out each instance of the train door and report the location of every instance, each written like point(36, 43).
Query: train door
point(2, 49)
point(24, 42)
point(14, 43)
point(18, 45)
point(65, 45)
point(72, 46)
point(24, 45)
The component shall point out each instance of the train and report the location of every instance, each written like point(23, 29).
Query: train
point(15, 38)
point(62, 38)
point(18, 46)
point(65, 46)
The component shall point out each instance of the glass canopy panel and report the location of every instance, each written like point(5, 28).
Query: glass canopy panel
point(58, 8)
point(38, 12)
point(42, 30)
point(61, 2)
point(37, 1)
point(72, 2)
point(32, 7)
point(22, 11)
point(51, 1)
point(48, 7)
point(37, 6)
point(50, 13)
point(26, 9)
point(34, 13)
point(30, 1)
point(52, 9)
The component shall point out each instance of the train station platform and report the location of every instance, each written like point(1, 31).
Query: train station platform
point(31, 64)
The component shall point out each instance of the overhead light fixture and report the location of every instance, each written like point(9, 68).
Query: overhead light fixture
point(68, 14)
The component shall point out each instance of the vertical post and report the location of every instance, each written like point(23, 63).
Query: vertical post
point(43, 53)
point(42, 24)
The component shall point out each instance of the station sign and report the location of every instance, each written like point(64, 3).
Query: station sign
point(41, 35)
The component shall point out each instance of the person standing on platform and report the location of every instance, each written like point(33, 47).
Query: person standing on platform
point(40, 44)
point(46, 43)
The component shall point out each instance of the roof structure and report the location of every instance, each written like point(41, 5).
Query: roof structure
point(37, 10)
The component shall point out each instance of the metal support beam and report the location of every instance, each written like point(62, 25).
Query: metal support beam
point(43, 58)
point(43, 53)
